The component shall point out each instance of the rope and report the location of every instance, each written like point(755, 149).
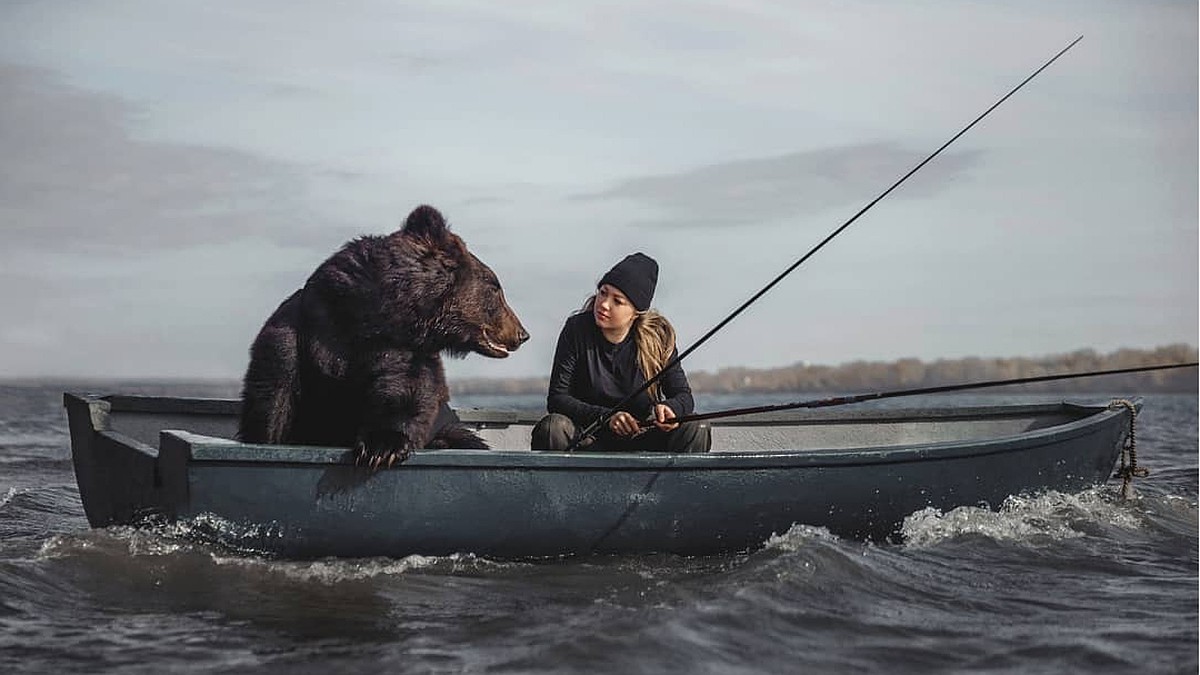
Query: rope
point(1129, 468)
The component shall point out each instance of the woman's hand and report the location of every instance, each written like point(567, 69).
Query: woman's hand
point(663, 416)
point(624, 424)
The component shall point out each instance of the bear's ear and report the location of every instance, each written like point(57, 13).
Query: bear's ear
point(425, 222)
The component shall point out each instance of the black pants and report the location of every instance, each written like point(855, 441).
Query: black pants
point(555, 432)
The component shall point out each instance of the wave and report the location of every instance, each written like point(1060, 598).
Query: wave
point(41, 504)
point(1053, 516)
point(1046, 517)
point(203, 536)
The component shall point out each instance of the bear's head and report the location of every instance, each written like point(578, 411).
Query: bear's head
point(458, 298)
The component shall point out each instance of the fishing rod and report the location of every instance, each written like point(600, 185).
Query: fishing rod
point(859, 398)
point(592, 428)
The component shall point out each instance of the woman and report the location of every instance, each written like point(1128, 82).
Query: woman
point(607, 350)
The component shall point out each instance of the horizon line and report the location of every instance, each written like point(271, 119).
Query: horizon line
point(56, 378)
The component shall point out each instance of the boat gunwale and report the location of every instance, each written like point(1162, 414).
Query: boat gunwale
point(136, 403)
point(213, 450)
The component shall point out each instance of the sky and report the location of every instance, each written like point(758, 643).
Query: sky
point(171, 171)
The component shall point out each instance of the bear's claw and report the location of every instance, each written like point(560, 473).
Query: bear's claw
point(376, 459)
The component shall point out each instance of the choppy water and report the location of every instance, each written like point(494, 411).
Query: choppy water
point(1056, 583)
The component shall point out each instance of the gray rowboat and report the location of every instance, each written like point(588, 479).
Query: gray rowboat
point(141, 460)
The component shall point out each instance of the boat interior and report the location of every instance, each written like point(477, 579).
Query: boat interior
point(141, 418)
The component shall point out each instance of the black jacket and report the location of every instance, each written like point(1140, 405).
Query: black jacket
point(591, 375)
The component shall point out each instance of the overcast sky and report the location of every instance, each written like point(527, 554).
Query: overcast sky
point(170, 171)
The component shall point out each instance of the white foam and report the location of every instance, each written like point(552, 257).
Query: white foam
point(798, 537)
point(64, 545)
point(186, 536)
point(332, 570)
point(1051, 515)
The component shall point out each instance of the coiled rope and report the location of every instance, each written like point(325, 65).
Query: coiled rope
point(1129, 466)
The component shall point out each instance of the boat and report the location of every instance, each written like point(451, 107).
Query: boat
point(142, 460)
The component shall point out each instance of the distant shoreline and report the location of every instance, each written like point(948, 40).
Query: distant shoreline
point(855, 376)
point(867, 376)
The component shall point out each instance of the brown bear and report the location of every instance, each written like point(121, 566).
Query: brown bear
point(353, 359)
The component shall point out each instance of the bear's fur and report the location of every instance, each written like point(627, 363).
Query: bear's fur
point(353, 358)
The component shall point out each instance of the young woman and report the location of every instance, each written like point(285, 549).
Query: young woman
point(606, 351)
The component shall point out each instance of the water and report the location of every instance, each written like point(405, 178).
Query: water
point(1052, 584)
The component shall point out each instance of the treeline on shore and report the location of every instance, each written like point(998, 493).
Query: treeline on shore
point(911, 373)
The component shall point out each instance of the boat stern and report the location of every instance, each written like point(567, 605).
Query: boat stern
point(118, 477)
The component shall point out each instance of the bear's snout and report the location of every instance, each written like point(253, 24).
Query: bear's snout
point(506, 335)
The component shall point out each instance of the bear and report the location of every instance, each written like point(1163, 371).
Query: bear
point(353, 359)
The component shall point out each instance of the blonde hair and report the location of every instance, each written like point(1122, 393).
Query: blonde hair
point(654, 337)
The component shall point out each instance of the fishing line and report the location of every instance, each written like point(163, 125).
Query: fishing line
point(592, 428)
point(859, 398)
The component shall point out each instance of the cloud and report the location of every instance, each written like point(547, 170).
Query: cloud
point(74, 179)
point(747, 192)
point(155, 257)
point(177, 169)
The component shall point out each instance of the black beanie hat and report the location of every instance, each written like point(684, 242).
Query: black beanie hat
point(635, 276)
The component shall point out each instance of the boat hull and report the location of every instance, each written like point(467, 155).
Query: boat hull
point(307, 502)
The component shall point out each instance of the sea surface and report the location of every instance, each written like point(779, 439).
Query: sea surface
point(1054, 583)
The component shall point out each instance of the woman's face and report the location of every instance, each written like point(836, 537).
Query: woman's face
point(612, 310)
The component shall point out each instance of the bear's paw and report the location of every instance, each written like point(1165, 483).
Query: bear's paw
point(376, 456)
